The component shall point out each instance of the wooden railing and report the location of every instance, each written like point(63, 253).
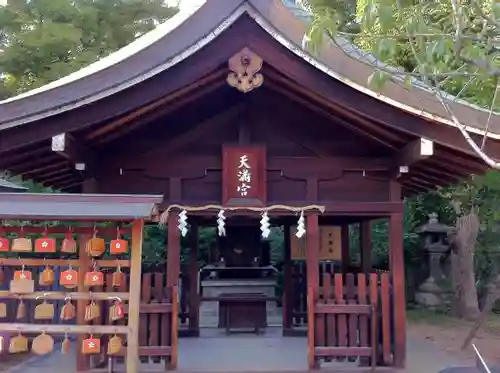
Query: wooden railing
point(351, 318)
point(159, 321)
point(297, 303)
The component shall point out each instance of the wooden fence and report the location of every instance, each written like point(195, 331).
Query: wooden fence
point(157, 342)
point(298, 282)
point(352, 316)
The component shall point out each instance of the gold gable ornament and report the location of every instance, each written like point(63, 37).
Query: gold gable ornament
point(245, 66)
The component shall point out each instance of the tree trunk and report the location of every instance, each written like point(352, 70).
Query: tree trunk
point(465, 301)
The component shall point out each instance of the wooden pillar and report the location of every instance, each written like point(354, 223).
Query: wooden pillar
point(365, 243)
point(173, 250)
point(287, 300)
point(194, 298)
point(312, 259)
point(345, 247)
point(82, 361)
point(397, 267)
point(173, 271)
point(134, 303)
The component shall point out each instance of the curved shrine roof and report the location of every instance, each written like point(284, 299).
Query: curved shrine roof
point(29, 120)
point(191, 28)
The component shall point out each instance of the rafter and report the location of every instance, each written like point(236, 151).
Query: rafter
point(46, 164)
point(75, 151)
point(299, 140)
point(67, 184)
point(416, 151)
point(197, 132)
point(44, 175)
point(58, 179)
point(365, 127)
point(174, 101)
point(16, 159)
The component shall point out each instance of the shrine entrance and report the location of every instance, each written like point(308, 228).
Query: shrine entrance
point(253, 294)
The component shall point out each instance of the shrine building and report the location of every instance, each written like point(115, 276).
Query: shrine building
point(224, 113)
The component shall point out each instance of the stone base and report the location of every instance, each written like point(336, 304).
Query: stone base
point(431, 296)
point(209, 310)
point(428, 300)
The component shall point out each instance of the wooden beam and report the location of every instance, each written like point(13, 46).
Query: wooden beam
point(17, 159)
point(67, 185)
point(54, 173)
point(297, 139)
point(58, 179)
point(364, 209)
point(170, 100)
point(397, 267)
point(141, 117)
point(61, 329)
point(132, 362)
point(365, 243)
point(31, 173)
point(288, 281)
point(35, 262)
point(414, 152)
point(194, 299)
point(365, 127)
point(73, 150)
point(82, 361)
point(345, 247)
point(173, 250)
point(312, 261)
point(58, 295)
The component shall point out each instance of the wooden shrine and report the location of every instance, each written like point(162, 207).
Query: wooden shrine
point(240, 129)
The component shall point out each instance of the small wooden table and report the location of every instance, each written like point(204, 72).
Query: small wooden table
point(242, 311)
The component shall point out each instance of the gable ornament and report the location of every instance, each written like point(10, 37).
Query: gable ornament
point(245, 66)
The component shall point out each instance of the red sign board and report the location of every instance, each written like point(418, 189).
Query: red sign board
point(244, 175)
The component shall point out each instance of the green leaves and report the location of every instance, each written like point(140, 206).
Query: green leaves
point(44, 40)
point(378, 79)
point(495, 9)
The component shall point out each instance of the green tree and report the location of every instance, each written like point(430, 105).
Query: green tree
point(450, 45)
point(43, 40)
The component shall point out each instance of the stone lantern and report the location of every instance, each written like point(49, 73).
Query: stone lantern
point(434, 237)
